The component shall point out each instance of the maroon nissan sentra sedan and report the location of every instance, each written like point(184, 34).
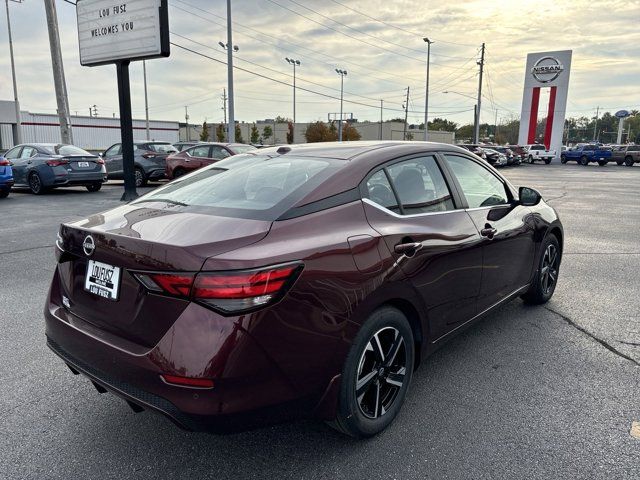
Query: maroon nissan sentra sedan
point(303, 281)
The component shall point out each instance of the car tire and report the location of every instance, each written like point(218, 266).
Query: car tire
point(628, 161)
point(530, 159)
point(94, 187)
point(4, 193)
point(584, 161)
point(547, 161)
point(384, 376)
point(546, 277)
point(140, 177)
point(35, 184)
point(620, 162)
point(178, 172)
point(602, 163)
point(563, 159)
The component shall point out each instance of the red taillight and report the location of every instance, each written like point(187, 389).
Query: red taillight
point(227, 292)
point(148, 155)
point(57, 163)
point(187, 381)
point(4, 162)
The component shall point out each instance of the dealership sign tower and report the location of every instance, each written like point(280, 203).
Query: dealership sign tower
point(545, 70)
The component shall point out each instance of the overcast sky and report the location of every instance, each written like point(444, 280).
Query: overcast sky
point(379, 43)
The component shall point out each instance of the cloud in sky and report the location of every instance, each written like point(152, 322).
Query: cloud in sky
point(324, 34)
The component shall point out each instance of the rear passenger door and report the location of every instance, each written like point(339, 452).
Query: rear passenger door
point(113, 161)
point(507, 228)
point(17, 166)
point(411, 204)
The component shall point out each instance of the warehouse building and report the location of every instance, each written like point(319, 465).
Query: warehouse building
point(90, 133)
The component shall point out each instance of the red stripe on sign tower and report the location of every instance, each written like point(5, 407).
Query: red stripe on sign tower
point(550, 112)
point(533, 116)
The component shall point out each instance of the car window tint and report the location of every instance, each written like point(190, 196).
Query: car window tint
point(480, 187)
point(634, 149)
point(113, 151)
point(379, 191)
point(420, 186)
point(202, 151)
point(13, 153)
point(219, 152)
point(162, 147)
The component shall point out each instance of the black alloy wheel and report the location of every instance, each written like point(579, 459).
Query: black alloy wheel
point(35, 184)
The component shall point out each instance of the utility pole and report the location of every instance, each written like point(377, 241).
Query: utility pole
point(495, 131)
point(381, 108)
point(224, 104)
point(231, 126)
point(595, 125)
point(146, 99)
point(18, 133)
point(295, 63)
point(479, 103)
point(342, 74)
point(186, 120)
point(62, 99)
point(426, 98)
point(406, 113)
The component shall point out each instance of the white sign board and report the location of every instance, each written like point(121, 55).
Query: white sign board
point(113, 30)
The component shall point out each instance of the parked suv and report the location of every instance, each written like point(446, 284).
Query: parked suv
point(627, 154)
point(149, 161)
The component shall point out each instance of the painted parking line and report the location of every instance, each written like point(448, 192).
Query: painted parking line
point(635, 430)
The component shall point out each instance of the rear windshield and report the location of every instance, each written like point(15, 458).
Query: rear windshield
point(66, 150)
point(161, 147)
point(246, 186)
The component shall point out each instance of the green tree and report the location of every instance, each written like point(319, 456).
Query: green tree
point(281, 119)
point(349, 132)
point(220, 133)
point(465, 133)
point(267, 132)
point(204, 134)
point(239, 138)
point(255, 134)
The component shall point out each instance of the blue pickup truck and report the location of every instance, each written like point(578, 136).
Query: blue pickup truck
point(586, 153)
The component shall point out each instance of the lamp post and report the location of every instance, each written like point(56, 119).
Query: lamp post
point(342, 73)
point(294, 63)
point(426, 97)
point(230, 48)
point(18, 135)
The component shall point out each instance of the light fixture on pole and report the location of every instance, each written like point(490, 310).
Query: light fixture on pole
point(426, 97)
point(342, 73)
point(294, 63)
point(18, 134)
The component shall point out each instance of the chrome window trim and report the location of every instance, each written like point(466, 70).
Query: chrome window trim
point(412, 215)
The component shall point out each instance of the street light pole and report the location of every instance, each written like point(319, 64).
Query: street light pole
point(231, 126)
point(146, 99)
point(342, 74)
point(18, 133)
point(293, 62)
point(426, 97)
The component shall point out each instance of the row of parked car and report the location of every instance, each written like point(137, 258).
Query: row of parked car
point(585, 153)
point(501, 156)
point(43, 166)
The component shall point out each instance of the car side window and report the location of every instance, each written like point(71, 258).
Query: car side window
point(219, 153)
point(420, 186)
point(379, 191)
point(28, 152)
point(202, 152)
point(480, 187)
point(112, 151)
point(13, 153)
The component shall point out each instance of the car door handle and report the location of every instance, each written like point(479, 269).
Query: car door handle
point(408, 249)
point(488, 231)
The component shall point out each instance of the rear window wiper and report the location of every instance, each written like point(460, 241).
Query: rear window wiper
point(166, 200)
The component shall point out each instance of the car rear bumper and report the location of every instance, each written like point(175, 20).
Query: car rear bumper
point(156, 174)
point(250, 389)
point(79, 179)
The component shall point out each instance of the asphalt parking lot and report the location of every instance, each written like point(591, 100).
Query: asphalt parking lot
point(530, 392)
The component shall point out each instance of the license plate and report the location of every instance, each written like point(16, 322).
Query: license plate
point(601, 158)
point(102, 280)
point(83, 164)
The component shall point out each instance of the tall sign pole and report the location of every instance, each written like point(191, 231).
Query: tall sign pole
point(119, 34)
point(62, 99)
point(146, 99)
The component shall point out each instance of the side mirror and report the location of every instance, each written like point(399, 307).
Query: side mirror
point(529, 196)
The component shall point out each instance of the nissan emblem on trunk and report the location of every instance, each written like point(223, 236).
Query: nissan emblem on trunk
point(88, 245)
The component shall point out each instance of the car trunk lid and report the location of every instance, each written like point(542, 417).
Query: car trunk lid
point(139, 238)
